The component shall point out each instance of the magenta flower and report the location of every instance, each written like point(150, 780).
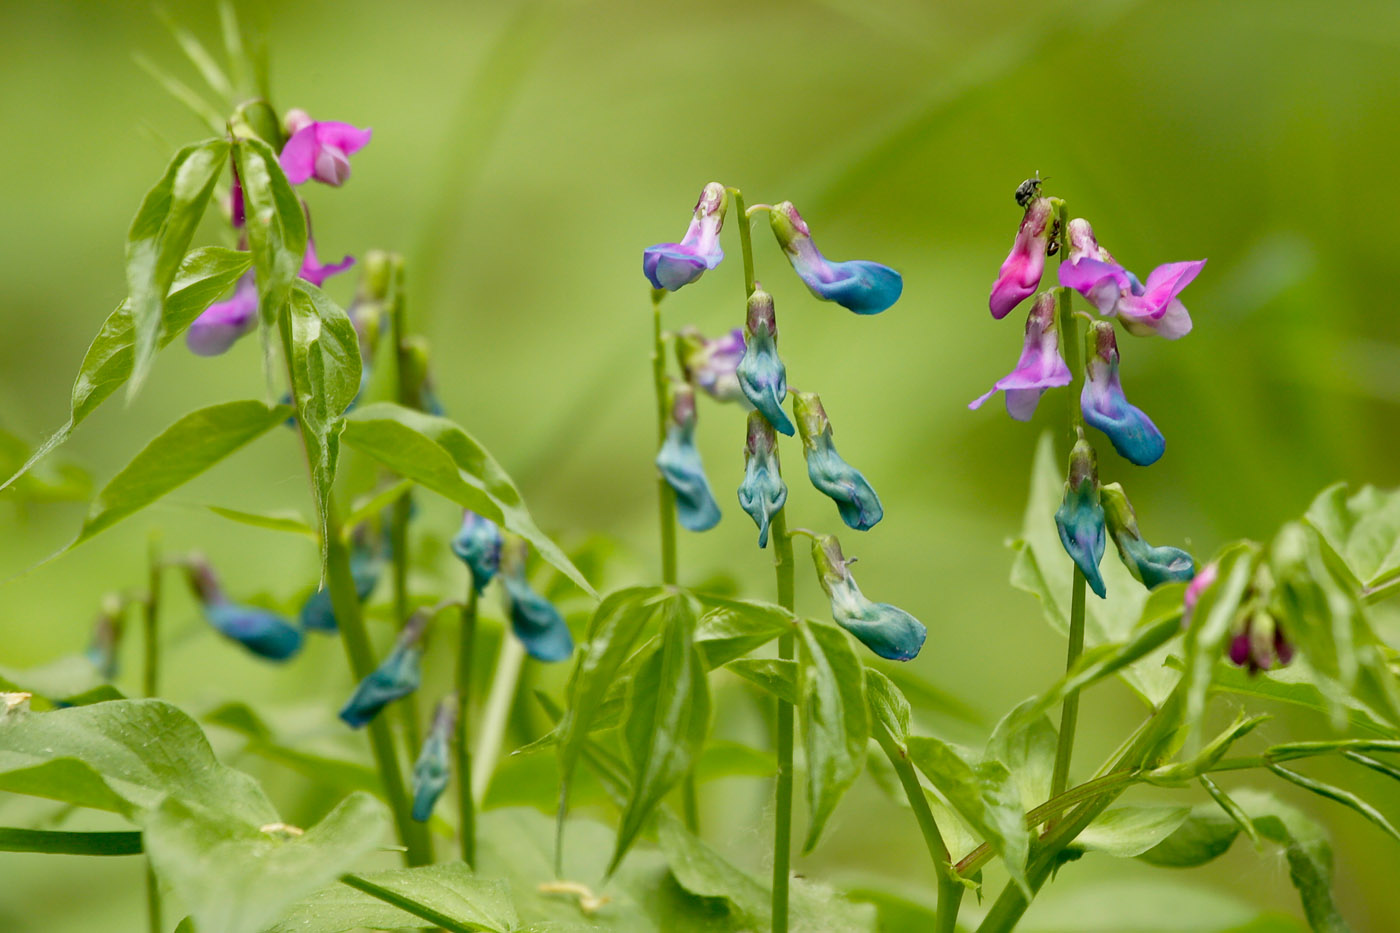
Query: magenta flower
point(1020, 273)
point(1039, 368)
point(1145, 309)
point(314, 272)
point(712, 365)
point(671, 266)
point(320, 150)
point(222, 323)
point(1198, 585)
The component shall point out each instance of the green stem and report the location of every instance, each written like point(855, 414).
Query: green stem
point(663, 417)
point(745, 240)
point(950, 888)
point(153, 912)
point(1069, 711)
point(407, 396)
point(504, 681)
point(345, 605)
point(150, 683)
point(466, 806)
point(782, 819)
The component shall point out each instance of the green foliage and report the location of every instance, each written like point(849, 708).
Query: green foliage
point(1125, 832)
point(276, 225)
point(834, 718)
point(1363, 529)
point(448, 896)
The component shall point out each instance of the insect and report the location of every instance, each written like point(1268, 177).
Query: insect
point(1028, 190)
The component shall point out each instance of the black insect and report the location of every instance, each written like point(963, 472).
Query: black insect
point(1028, 190)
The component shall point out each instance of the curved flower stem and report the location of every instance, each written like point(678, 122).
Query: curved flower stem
point(782, 818)
point(466, 807)
point(345, 604)
point(505, 679)
point(745, 238)
point(150, 681)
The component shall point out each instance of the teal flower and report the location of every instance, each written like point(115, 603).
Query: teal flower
point(1151, 566)
point(1080, 518)
point(261, 631)
point(433, 767)
point(396, 677)
point(679, 463)
point(478, 545)
point(762, 376)
point(854, 497)
point(887, 630)
point(533, 619)
point(763, 492)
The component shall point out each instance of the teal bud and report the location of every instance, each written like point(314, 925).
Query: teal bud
point(854, 497)
point(763, 492)
point(261, 631)
point(418, 389)
point(887, 630)
point(366, 563)
point(433, 768)
point(533, 619)
point(1151, 566)
point(478, 545)
point(762, 376)
point(396, 676)
point(679, 463)
point(1080, 518)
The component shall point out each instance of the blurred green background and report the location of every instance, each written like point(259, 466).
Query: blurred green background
point(524, 154)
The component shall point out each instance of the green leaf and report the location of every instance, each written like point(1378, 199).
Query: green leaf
point(199, 56)
point(722, 758)
point(774, 675)
point(984, 794)
point(448, 896)
point(1027, 746)
point(1309, 856)
point(1362, 529)
point(58, 681)
point(63, 843)
point(177, 455)
point(1202, 762)
point(287, 520)
point(731, 628)
point(438, 455)
point(159, 236)
point(1292, 685)
point(183, 93)
point(1205, 835)
point(57, 482)
point(1159, 903)
point(1211, 624)
point(667, 719)
point(334, 773)
point(835, 721)
point(236, 878)
point(1336, 794)
point(1126, 832)
point(204, 275)
point(924, 696)
point(889, 710)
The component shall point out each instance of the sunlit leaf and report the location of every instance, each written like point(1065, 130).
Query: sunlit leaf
point(777, 676)
point(731, 628)
point(1125, 832)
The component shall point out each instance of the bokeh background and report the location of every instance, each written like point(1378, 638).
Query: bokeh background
point(523, 155)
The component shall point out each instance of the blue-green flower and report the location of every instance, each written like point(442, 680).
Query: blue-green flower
point(762, 376)
point(679, 463)
point(1080, 518)
point(1151, 566)
point(478, 545)
point(261, 631)
point(854, 497)
point(763, 492)
point(366, 563)
point(857, 285)
point(533, 619)
point(433, 768)
point(886, 630)
point(396, 677)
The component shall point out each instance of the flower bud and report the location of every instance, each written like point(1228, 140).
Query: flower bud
point(672, 266)
point(535, 621)
point(1259, 643)
point(223, 322)
point(478, 545)
point(761, 373)
point(1201, 582)
point(711, 365)
point(887, 630)
point(763, 492)
point(1150, 566)
point(1020, 273)
point(1105, 407)
point(320, 150)
point(1080, 518)
point(854, 497)
point(366, 563)
point(261, 631)
point(857, 285)
point(418, 377)
point(1147, 309)
point(679, 463)
point(1040, 366)
point(433, 768)
point(396, 676)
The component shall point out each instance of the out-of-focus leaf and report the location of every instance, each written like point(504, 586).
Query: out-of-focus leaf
point(183, 93)
point(1210, 625)
point(1027, 746)
point(204, 275)
point(286, 520)
point(55, 482)
point(1291, 685)
point(1205, 835)
point(276, 226)
point(731, 628)
point(199, 56)
point(159, 236)
point(441, 894)
point(335, 773)
point(1338, 795)
point(923, 696)
point(1363, 529)
point(835, 721)
point(775, 675)
point(721, 758)
point(58, 681)
point(440, 456)
point(177, 455)
point(889, 709)
point(1202, 762)
point(65, 843)
point(1161, 903)
point(668, 717)
point(1126, 832)
point(1308, 851)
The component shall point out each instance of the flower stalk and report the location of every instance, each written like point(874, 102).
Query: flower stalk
point(466, 647)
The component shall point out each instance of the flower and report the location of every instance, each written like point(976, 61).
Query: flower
point(1040, 366)
point(106, 637)
point(1198, 585)
point(431, 771)
point(1020, 273)
point(856, 285)
point(761, 374)
point(1105, 407)
point(314, 272)
point(1259, 643)
point(1150, 566)
point(1080, 517)
point(710, 365)
point(854, 497)
point(320, 150)
point(396, 676)
point(478, 545)
point(237, 216)
point(679, 463)
point(223, 322)
point(261, 631)
point(366, 563)
point(1147, 309)
point(886, 630)
point(533, 619)
point(672, 266)
point(763, 492)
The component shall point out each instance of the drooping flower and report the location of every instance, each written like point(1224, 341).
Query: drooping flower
point(1105, 407)
point(679, 463)
point(887, 630)
point(314, 272)
point(763, 492)
point(1145, 309)
point(1020, 273)
point(1040, 366)
point(761, 373)
point(320, 149)
point(223, 322)
point(396, 676)
point(261, 631)
point(432, 769)
point(1198, 585)
point(1080, 518)
point(1259, 643)
point(857, 285)
point(533, 619)
point(854, 497)
point(366, 564)
point(478, 545)
point(672, 266)
point(1151, 566)
point(106, 637)
point(711, 365)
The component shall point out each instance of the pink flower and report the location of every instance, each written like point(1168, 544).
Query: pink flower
point(320, 150)
point(314, 272)
point(1145, 309)
point(222, 323)
point(1198, 585)
point(1039, 368)
point(1020, 273)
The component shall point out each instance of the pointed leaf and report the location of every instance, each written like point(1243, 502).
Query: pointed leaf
point(835, 721)
point(1309, 856)
point(731, 628)
point(1202, 837)
point(1126, 832)
point(1027, 746)
point(774, 675)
